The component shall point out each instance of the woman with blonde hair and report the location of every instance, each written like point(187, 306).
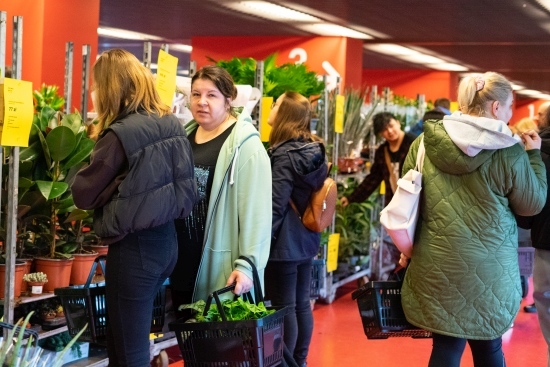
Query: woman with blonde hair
point(139, 180)
point(463, 282)
point(298, 167)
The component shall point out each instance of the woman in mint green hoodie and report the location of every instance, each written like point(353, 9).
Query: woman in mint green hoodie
point(463, 280)
point(233, 214)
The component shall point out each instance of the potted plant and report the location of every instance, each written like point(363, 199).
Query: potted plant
point(58, 147)
point(36, 282)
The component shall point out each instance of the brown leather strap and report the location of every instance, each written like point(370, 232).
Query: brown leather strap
point(393, 179)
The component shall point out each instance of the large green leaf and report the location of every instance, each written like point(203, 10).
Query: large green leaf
point(73, 121)
point(61, 142)
point(51, 190)
point(46, 115)
point(77, 214)
point(82, 151)
point(31, 152)
point(45, 150)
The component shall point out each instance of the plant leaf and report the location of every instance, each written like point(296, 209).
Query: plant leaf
point(82, 151)
point(61, 142)
point(51, 190)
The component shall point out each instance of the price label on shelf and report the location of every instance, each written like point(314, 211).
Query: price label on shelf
point(332, 251)
point(339, 114)
point(166, 77)
point(265, 129)
point(16, 98)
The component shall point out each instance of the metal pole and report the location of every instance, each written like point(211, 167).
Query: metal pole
point(147, 50)
point(3, 26)
point(86, 50)
point(325, 114)
point(13, 182)
point(165, 48)
point(68, 92)
point(192, 68)
point(258, 83)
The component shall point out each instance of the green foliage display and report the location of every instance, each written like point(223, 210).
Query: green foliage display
point(354, 223)
point(277, 79)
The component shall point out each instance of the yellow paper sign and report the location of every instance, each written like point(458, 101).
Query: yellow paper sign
point(332, 251)
point(265, 129)
point(339, 114)
point(166, 77)
point(15, 128)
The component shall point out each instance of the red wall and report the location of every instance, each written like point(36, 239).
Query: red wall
point(344, 54)
point(47, 26)
point(409, 83)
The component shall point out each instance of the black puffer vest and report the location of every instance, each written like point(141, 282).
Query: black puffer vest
point(160, 185)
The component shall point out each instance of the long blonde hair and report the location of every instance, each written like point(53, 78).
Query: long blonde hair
point(122, 85)
point(292, 120)
point(475, 92)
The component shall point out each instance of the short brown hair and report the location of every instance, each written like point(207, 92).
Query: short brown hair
point(221, 79)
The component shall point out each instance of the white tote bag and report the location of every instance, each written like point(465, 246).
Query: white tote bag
point(400, 216)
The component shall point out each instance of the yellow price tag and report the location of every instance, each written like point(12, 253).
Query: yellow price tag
point(265, 129)
point(339, 114)
point(383, 188)
point(166, 77)
point(332, 251)
point(16, 101)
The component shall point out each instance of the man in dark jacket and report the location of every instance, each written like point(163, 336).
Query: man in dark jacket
point(540, 237)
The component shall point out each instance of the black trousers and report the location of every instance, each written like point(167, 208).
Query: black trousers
point(136, 268)
point(447, 352)
point(288, 284)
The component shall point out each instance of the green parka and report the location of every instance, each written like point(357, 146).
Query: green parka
point(463, 277)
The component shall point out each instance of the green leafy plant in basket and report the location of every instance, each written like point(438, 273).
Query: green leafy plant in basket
point(236, 310)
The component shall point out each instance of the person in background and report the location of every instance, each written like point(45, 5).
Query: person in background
point(139, 139)
point(541, 112)
point(233, 214)
point(540, 238)
point(441, 108)
point(523, 125)
point(299, 167)
point(463, 283)
point(387, 165)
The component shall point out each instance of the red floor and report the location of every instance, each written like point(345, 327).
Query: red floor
point(338, 340)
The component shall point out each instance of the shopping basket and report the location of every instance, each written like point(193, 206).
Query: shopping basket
point(250, 343)
point(380, 308)
point(86, 304)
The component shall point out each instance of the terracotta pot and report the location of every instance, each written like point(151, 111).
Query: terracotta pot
point(19, 272)
point(36, 288)
point(82, 265)
point(57, 270)
point(101, 250)
point(349, 165)
point(28, 270)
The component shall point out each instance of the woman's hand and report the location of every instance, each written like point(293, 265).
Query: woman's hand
point(243, 283)
point(404, 261)
point(531, 140)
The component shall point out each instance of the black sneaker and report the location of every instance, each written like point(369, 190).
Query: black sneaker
point(530, 308)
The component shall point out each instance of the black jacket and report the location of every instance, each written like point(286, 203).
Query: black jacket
point(540, 223)
point(160, 185)
point(298, 169)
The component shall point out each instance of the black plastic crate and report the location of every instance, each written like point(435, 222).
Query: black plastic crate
point(317, 278)
point(85, 304)
point(245, 343)
point(380, 308)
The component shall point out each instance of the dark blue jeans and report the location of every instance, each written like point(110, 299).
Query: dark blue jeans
point(288, 284)
point(447, 352)
point(136, 268)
